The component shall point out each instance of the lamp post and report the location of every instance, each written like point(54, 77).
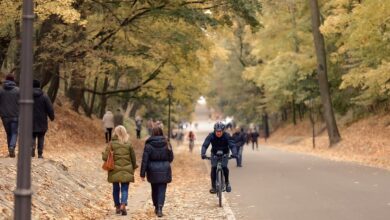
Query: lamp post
point(170, 90)
point(23, 192)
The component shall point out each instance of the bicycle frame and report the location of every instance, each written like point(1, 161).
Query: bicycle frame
point(220, 182)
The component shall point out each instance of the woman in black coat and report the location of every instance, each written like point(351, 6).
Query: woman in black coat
point(156, 164)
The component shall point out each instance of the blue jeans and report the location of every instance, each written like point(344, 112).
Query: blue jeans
point(239, 158)
point(11, 129)
point(158, 193)
point(123, 189)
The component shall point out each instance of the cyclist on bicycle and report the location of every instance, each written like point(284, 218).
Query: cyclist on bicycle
point(220, 141)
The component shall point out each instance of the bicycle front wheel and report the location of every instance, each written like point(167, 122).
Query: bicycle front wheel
point(220, 186)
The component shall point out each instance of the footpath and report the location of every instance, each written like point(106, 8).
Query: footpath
point(188, 195)
point(70, 184)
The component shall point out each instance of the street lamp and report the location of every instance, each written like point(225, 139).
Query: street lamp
point(170, 90)
point(23, 192)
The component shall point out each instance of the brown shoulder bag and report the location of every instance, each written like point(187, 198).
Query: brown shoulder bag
point(109, 163)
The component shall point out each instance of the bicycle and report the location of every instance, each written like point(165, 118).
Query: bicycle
point(220, 181)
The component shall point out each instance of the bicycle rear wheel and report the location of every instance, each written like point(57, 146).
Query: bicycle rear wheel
point(219, 186)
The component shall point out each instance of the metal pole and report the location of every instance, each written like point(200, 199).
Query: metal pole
point(169, 118)
point(23, 190)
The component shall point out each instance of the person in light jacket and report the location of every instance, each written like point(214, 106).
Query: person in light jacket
point(108, 124)
point(156, 166)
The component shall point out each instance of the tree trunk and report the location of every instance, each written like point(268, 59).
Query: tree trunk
point(4, 45)
point(16, 69)
point(333, 132)
point(103, 98)
point(312, 122)
point(89, 114)
point(301, 111)
point(134, 109)
point(76, 89)
point(55, 84)
point(294, 111)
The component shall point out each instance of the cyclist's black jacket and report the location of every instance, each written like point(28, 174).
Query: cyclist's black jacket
point(223, 143)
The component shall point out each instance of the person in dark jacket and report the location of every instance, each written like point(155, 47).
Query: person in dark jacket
point(239, 140)
point(43, 109)
point(9, 111)
point(125, 163)
point(220, 141)
point(156, 165)
point(254, 137)
point(138, 127)
point(118, 118)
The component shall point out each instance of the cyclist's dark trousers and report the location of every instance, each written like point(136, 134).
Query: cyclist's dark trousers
point(214, 175)
point(225, 169)
point(158, 193)
point(108, 134)
point(40, 136)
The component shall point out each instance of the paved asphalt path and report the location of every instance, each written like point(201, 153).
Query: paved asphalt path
point(277, 185)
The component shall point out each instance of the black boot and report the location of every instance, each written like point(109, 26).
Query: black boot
point(12, 153)
point(118, 210)
point(159, 211)
point(123, 209)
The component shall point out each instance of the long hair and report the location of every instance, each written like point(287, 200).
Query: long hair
point(157, 131)
point(122, 134)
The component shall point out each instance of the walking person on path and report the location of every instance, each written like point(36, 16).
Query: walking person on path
point(150, 125)
point(254, 138)
point(9, 111)
point(118, 118)
point(124, 166)
point(138, 125)
point(248, 136)
point(43, 108)
point(239, 140)
point(108, 124)
point(156, 166)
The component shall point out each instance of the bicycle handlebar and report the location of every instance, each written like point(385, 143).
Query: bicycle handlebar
point(209, 158)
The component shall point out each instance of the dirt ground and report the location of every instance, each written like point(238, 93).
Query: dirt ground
point(366, 141)
point(70, 184)
point(188, 195)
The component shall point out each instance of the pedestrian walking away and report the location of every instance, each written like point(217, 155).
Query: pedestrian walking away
point(150, 125)
point(108, 124)
point(191, 138)
point(239, 140)
point(124, 167)
point(254, 138)
point(118, 118)
point(156, 166)
point(9, 111)
point(220, 141)
point(138, 125)
point(43, 108)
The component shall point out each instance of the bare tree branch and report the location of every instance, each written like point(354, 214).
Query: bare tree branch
point(151, 77)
